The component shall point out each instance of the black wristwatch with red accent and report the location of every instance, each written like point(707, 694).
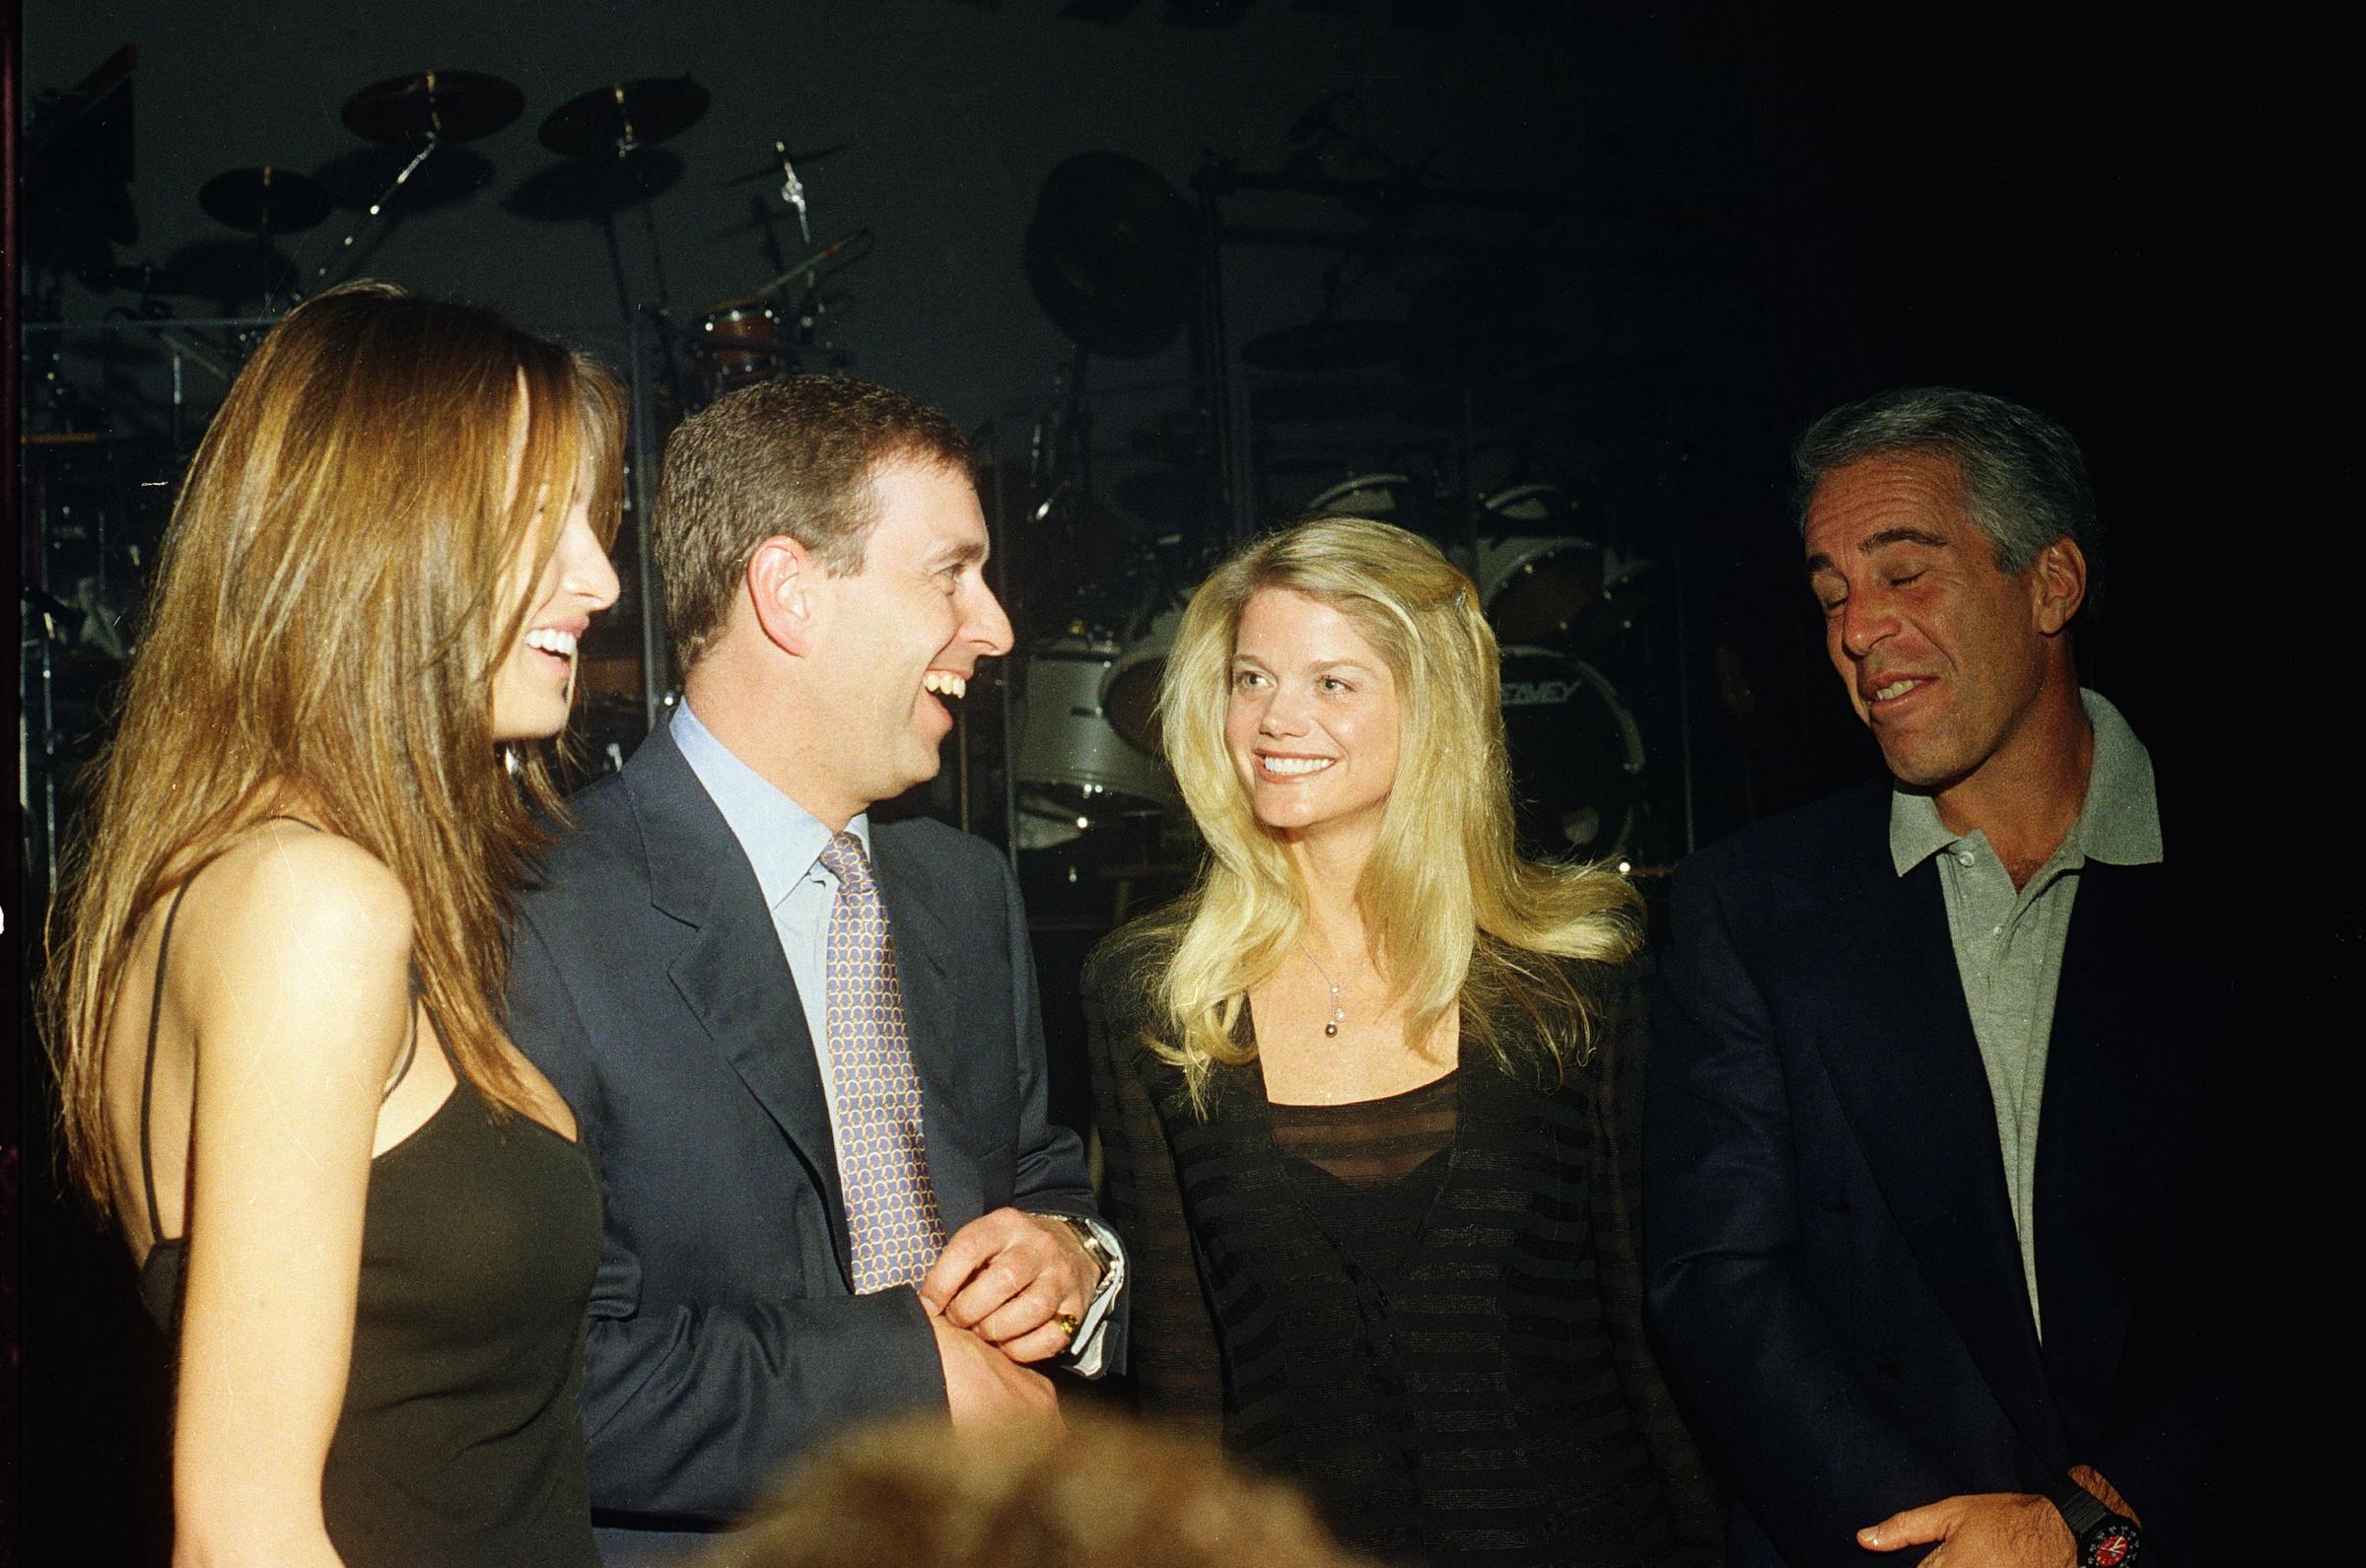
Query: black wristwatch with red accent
point(2105, 1539)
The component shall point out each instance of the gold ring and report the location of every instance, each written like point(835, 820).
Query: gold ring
point(1068, 1324)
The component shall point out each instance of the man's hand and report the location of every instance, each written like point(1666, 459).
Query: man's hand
point(1989, 1529)
point(984, 1387)
point(1010, 1277)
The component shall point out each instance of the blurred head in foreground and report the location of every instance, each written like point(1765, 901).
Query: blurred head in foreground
point(1100, 1493)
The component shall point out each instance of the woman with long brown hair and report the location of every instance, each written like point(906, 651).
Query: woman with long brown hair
point(1367, 1094)
point(274, 1008)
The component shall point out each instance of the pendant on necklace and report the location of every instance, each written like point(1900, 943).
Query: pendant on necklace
point(1339, 1014)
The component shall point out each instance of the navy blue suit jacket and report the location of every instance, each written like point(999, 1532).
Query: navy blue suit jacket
point(648, 982)
point(1831, 1258)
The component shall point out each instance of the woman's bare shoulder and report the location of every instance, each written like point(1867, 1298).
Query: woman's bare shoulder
point(294, 906)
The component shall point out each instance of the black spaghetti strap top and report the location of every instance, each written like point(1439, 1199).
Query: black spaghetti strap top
point(459, 1442)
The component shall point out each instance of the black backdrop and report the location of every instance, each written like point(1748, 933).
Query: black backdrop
point(2117, 228)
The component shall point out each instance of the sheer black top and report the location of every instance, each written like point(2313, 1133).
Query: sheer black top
point(1426, 1308)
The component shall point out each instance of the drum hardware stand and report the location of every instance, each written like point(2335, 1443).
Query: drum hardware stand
point(808, 311)
point(793, 190)
point(997, 563)
point(655, 685)
point(1684, 681)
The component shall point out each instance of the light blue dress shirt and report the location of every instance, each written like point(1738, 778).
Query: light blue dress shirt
point(783, 842)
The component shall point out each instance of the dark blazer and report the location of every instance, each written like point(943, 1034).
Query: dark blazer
point(648, 982)
point(1830, 1253)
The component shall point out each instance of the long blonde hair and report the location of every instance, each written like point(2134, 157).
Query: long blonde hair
point(1458, 920)
point(329, 611)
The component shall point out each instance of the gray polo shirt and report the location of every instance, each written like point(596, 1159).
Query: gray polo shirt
point(2008, 942)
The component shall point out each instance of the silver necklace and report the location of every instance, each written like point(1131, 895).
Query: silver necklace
point(1339, 1014)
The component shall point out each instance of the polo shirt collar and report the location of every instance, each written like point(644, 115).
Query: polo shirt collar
point(2120, 821)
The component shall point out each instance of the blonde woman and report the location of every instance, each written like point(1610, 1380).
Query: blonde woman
point(1366, 1095)
point(362, 1213)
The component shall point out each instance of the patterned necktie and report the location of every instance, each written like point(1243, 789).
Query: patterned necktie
point(891, 1214)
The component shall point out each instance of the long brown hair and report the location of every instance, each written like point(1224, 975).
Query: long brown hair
point(1459, 919)
point(329, 614)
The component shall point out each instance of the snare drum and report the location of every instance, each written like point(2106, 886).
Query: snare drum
point(1576, 756)
point(739, 344)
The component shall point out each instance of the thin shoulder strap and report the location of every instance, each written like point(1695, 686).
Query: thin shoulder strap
point(410, 1043)
point(156, 1009)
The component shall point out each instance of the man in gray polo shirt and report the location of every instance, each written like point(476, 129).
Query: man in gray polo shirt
point(1936, 1130)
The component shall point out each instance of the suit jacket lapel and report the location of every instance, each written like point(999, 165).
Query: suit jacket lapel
point(731, 976)
point(926, 956)
point(1897, 1036)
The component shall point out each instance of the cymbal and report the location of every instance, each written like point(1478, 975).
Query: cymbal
point(433, 106)
point(1327, 346)
point(594, 188)
point(771, 169)
point(266, 200)
point(613, 120)
point(1112, 254)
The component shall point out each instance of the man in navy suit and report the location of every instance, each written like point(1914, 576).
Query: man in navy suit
point(1940, 1213)
point(781, 1171)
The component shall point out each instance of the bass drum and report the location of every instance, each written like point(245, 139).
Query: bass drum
point(1074, 769)
point(1576, 757)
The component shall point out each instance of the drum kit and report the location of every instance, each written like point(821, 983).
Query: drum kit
point(1087, 756)
point(417, 142)
point(1107, 252)
point(1351, 412)
point(416, 157)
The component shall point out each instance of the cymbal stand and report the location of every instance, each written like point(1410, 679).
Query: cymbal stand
point(344, 248)
point(656, 688)
point(997, 566)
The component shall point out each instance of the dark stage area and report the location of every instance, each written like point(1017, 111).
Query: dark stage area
point(1554, 284)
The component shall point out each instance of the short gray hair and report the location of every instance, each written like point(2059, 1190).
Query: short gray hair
point(2025, 481)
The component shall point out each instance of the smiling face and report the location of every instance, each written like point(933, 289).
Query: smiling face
point(894, 641)
point(1945, 657)
point(1313, 722)
point(534, 683)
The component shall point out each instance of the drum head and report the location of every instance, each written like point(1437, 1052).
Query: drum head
point(1537, 589)
point(1130, 696)
point(1576, 756)
point(1381, 497)
point(1067, 748)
